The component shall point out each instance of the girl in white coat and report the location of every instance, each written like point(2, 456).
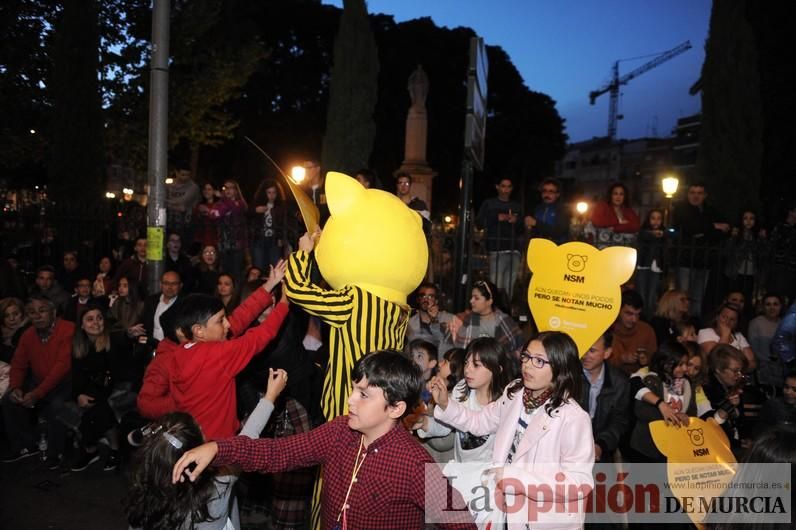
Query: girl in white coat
point(543, 452)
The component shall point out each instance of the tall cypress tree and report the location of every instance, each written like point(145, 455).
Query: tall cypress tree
point(731, 138)
point(76, 167)
point(350, 128)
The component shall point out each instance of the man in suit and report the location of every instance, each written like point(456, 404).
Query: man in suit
point(156, 305)
point(606, 397)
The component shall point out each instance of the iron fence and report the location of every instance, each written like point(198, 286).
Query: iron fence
point(39, 234)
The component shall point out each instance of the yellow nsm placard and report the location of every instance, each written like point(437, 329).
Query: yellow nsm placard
point(699, 460)
point(575, 288)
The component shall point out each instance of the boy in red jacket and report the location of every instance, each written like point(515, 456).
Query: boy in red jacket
point(154, 398)
point(202, 371)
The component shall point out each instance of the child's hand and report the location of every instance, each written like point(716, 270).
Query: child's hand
point(440, 392)
point(277, 381)
point(85, 401)
point(200, 456)
point(275, 275)
point(421, 423)
point(307, 241)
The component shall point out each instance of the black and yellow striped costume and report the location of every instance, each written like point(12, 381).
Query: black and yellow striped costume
point(361, 323)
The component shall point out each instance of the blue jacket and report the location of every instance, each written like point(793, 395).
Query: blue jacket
point(784, 341)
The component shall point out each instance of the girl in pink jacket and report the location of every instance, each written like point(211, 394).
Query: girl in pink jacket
point(541, 469)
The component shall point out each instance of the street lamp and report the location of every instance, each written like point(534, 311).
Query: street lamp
point(298, 173)
point(669, 185)
point(578, 226)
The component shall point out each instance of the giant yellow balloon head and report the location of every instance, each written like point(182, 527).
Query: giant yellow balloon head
point(371, 240)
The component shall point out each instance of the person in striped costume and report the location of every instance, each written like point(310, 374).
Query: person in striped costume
point(373, 253)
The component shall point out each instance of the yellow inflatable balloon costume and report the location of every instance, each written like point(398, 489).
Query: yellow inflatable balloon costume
point(373, 254)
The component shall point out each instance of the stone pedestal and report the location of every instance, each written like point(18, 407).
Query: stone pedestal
point(417, 138)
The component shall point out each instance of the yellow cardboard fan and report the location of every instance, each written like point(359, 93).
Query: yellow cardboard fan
point(699, 460)
point(575, 287)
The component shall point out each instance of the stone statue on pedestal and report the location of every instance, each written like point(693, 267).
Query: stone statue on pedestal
point(414, 162)
point(418, 89)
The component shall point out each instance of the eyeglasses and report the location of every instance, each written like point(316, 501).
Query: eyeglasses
point(481, 283)
point(736, 371)
point(209, 252)
point(537, 362)
point(427, 296)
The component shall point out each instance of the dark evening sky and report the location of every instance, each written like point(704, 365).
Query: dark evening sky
point(566, 49)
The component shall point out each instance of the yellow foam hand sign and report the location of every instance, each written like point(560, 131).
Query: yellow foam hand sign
point(371, 240)
point(575, 288)
point(699, 460)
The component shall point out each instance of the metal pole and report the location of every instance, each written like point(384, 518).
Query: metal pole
point(465, 227)
point(158, 141)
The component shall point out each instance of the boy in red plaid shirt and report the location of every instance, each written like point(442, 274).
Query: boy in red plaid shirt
point(374, 472)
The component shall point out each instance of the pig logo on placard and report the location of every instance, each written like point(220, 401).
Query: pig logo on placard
point(697, 438)
point(576, 263)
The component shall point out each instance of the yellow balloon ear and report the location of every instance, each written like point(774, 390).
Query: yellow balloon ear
point(623, 262)
point(538, 249)
point(342, 192)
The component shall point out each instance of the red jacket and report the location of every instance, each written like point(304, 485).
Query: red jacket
point(604, 216)
point(154, 398)
point(50, 362)
point(202, 375)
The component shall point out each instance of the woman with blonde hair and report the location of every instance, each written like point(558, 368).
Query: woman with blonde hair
point(672, 309)
point(13, 323)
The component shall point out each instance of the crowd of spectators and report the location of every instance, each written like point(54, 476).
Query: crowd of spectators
point(88, 357)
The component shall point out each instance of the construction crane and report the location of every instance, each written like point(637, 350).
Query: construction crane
point(613, 85)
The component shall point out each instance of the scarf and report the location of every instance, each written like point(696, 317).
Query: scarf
point(530, 403)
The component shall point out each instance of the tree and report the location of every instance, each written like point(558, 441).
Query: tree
point(731, 137)
point(772, 23)
point(76, 164)
point(350, 128)
point(212, 59)
point(525, 134)
point(24, 103)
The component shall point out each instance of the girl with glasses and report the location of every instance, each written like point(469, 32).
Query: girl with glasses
point(541, 434)
point(207, 271)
